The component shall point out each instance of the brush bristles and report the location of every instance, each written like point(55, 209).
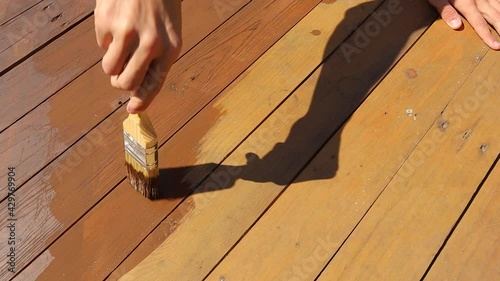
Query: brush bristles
point(144, 181)
point(141, 154)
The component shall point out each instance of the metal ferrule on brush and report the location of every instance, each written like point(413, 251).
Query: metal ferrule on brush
point(146, 157)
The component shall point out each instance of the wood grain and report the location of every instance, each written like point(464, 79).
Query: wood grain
point(39, 24)
point(285, 67)
point(221, 216)
point(11, 9)
point(53, 67)
point(98, 161)
point(399, 236)
point(307, 224)
point(31, 143)
point(472, 253)
point(47, 71)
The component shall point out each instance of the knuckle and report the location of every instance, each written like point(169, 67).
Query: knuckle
point(100, 43)
point(448, 12)
point(126, 84)
point(151, 42)
point(101, 24)
point(106, 66)
point(125, 30)
point(114, 82)
point(102, 16)
point(176, 43)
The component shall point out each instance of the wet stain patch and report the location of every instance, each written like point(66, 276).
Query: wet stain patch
point(411, 73)
point(316, 32)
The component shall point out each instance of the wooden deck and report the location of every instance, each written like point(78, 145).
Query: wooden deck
point(300, 140)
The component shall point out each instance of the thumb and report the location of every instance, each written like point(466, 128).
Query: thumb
point(448, 13)
point(136, 105)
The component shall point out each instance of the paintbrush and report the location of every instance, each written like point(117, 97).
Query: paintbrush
point(141, 154)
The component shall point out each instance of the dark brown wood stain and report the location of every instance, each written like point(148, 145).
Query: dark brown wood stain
point(93, 155)
point(34, 27)
point(48, 70)
point(76, 109)
point(168, 113)
point(122, 207)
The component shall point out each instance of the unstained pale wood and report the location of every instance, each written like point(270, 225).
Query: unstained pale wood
point(473, 251)
point(399, 236)
point(308, 223)
point(253, 104)
point(235, 208)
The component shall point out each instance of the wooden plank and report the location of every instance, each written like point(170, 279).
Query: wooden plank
point(399, 236)
point(473, 252)
point(47, 71)
point(220, 217)
point(285, 46)
point(56, 65)
point(11, 9)
point(98, 156)
point(307, 224)
point(254, 104)
point(30, 143)
point(193, 30)
point(30, 30)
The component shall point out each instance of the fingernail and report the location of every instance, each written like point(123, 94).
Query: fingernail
point(455, 23)
point(496, 44)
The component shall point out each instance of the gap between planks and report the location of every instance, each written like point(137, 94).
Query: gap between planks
point(472, 251)
point(408, 223)
point(292, 12)
point(200, 249)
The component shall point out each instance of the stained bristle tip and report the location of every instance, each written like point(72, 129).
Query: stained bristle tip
point(146, 184)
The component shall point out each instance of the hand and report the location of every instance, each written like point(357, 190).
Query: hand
point(479, 13)
point(142, 39)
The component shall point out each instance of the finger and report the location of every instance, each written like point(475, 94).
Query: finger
point(153, 81)
point(103, 39)
point(114, 60)
point(103, 36)
point(448, 13)
point(492, 15)
point(495, 4)
point(142, 97)
point(481, 27)
point(132, 75)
